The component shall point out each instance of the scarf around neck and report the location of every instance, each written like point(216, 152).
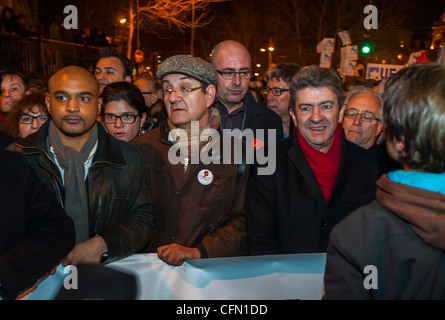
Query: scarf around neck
point(193, 139)
point(73, 164)
point(324, 165)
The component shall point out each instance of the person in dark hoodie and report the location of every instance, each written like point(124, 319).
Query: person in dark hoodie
point(394, 247)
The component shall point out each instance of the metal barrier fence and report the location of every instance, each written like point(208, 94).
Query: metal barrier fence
point(43, 56)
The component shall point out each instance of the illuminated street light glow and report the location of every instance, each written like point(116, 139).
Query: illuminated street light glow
point(271, 48)
point(263, 50)
point(123, 20)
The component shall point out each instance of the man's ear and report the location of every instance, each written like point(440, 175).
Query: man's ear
point(48, 103)
point(292, 115)
point(379, 128)
point(400, 145)
point(127, 79)
point(210, 95)
point(341, 114)
point(99, 107)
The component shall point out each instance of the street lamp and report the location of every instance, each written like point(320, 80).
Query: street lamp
point(271, 49)
point(123, 20)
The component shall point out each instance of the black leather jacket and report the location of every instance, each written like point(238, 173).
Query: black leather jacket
point(120, 207)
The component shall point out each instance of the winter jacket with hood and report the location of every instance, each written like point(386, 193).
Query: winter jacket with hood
point(400, 236)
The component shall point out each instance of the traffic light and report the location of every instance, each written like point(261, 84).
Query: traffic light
point(366, 46)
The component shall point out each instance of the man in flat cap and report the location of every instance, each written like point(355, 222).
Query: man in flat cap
point(199, 198)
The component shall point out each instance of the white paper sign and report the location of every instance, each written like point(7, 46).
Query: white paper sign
point(347, 67)
point(345, 37)
point(326, 45)
point(349, 53)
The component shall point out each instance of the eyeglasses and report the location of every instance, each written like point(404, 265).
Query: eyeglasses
point(183, 91)
point(275, 91)
point(127, 118)
point(229, 75)
point(365, 116)
point(28, 119)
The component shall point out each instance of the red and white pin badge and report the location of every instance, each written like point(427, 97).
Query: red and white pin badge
point(205, 177)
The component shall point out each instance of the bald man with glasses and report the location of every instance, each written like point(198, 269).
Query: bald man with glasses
point(237, 105)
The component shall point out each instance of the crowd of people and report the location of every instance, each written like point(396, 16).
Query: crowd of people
point(100, 166)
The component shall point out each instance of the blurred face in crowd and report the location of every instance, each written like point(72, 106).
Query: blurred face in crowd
point(230, 56)
point(357, 130)
point(316, 116)
point(73, 104)
point(31, 120)
point(13, 90)
point(148, 91)
point(122, 120)
point(185, 100)
point(109, 70)
point(279, 103)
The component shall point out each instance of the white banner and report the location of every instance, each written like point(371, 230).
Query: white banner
point(274, 277)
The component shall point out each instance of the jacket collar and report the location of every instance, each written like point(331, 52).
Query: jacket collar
point(108, 149)
point(298, 158)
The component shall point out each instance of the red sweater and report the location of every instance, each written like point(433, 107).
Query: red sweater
point(323, 165)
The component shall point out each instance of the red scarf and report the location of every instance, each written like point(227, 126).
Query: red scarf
point(323, 165)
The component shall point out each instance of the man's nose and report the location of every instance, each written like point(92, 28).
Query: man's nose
point(237, 79)
point(72, 105)
point(6, 93)
point(358, 120)
point(316, 114)
point(174, 97)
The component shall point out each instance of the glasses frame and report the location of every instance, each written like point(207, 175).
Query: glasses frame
point(223, 74)
point(269, 89)
point(361, 117)
point(120, 118)
point(36, 117)
point(187, 91)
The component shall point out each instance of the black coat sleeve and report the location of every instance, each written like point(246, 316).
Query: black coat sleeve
point(261, 207)
point(35, 232)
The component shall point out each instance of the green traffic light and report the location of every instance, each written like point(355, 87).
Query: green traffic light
point(366, 45)
point(366, 49)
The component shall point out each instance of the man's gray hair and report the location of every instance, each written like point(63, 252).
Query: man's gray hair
point(361, 89)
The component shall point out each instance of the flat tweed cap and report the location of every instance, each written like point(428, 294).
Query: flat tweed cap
point(194, 67)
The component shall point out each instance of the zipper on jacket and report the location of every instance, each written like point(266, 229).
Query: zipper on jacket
point(59, 183)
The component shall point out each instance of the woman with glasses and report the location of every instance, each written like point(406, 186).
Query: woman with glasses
point(26, 116)
point(124, 113)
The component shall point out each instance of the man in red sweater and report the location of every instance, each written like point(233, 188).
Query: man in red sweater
point(320, 177)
